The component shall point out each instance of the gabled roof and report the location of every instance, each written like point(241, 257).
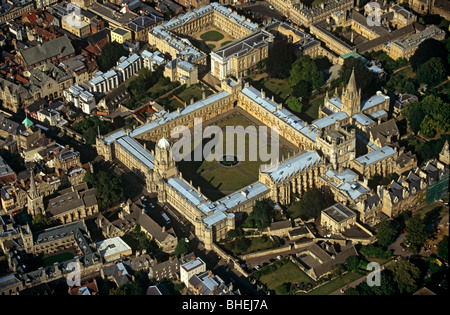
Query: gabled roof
point(53, 48)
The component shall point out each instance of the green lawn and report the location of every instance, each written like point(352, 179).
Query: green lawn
point(225, 43)
point(226, 179)
point(278, 87)
point(335, 284)
point(211, 46)
point(193, 91)
point(257, 244)
point(48, 261)
point(313, 110)
point(288, 272)
point(212, 36)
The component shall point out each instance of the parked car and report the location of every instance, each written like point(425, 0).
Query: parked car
point(278, 257)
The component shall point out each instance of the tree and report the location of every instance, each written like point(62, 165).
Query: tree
point(108, 185)
point(40, 222)
point(302, 90)
point(311, 203)
point(427, 50)
point(294, 104)
point(406, 275)
point(262, 214)
point(387, 233)
point(414, 115)
point(416, 235)
point(109, 56)
point(352, 263)
point(337, 270)
point(443, 248)
point(241, 244)
point(182, 247)
point(280, 59)
point(431, 72)
point(305, 69)
point(375, 251)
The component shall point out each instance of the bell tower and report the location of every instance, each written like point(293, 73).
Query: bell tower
point(351, 97)
point(165, 166)
point(35, 201)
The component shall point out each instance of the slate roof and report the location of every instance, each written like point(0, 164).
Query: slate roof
point(48, 50)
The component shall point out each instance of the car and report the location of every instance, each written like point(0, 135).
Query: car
point(403, 230)
point(257, 267)
point(143, 198)
point(270, 7)
point(122, 204)
point(151, 205)
point(278, 257)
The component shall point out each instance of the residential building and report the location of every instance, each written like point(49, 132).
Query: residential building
point(121, 35)
point(75, 24)
point(53, 51)
point(207, 283)
point(337, 218)
point(80, 98)
point(181, 71)
point(239, 57)
point(142, 24)
point(406, 47)
point(190, 269)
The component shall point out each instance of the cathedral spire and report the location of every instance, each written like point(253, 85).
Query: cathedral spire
point(351, 86)
point(33, 190)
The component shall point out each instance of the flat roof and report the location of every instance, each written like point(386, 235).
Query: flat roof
point(112, 246)
point(338, 212)
point(193, 264)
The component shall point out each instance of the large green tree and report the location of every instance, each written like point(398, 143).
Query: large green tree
point(431, 72)
point(305, 69)
point(387, 232)
point(109, 55)
point(311, 203)
point(262, 214)
point(182, 247)
point(108, 185)
point(416, 235)
point(280, 59)
point(427, 50)
point(443, 248)
point(294, 104)
point(429, 116)
point(406, 275)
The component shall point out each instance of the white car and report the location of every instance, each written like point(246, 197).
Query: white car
point(256, 267)
point(278, 257)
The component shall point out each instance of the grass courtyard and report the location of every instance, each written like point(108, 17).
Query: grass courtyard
point(212, 39)
point(217, 179)
point(287, 272)
point(212, 36)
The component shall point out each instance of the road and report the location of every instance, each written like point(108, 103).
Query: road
point(261, 9)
